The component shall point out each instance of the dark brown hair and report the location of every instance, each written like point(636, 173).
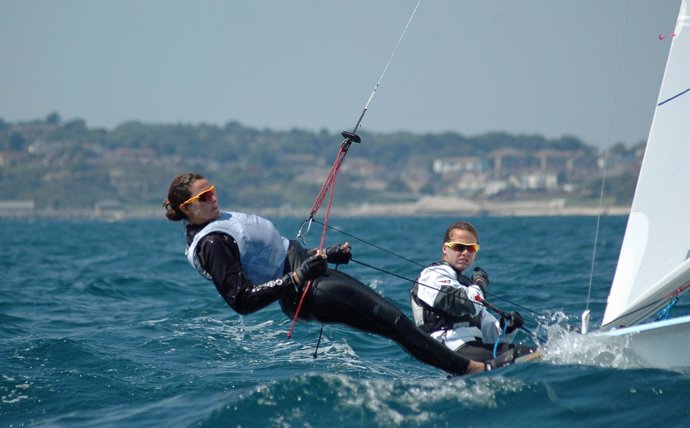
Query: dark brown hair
point(178, 193)
point(462, 225)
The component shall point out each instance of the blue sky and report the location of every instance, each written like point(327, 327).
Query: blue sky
point(584, 68)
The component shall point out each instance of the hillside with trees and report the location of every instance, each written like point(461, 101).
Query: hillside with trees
point(65, 165)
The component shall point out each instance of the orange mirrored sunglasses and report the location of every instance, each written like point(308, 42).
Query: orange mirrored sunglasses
point(203, 196)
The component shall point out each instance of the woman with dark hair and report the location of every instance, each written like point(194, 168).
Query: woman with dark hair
point(252, 265)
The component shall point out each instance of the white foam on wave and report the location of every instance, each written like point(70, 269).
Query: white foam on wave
point(567, 346)
point(385, 399)
point(13, 390)
point(387, 402)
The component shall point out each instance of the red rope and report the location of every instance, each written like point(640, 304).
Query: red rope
point(328, 185)
point(330, 180)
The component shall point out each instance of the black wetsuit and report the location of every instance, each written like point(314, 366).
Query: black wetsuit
point(333, 298)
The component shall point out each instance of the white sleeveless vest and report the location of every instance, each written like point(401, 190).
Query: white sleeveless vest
point(262, 248)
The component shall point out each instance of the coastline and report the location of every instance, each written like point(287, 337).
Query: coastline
point(426, 206)
point(449, 206)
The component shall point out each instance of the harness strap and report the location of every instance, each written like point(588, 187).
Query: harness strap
point(427, 326)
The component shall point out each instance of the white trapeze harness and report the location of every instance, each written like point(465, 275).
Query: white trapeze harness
point(484, 326)
point(262, 248)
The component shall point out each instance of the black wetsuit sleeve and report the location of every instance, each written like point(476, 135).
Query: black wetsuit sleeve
point(220, 257)
point(454, 302)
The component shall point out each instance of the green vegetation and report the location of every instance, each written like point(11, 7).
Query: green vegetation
point(67, 165)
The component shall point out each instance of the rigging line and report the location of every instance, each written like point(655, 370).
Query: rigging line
point(329, 184)
point(323, 239)
point(676, 292)
point(417, 282)
point(666, 310)
point(327, 216)
point(371, 244)
point(393, 253)
point(352, 136)
point(378, 83)
point(596, 232)
point(414, 281)
point(610, 137)
point(673, 97)
point(500, 337)
point(482, 302)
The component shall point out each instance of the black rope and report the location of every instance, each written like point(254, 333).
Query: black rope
point(318, 342)
point(393, 253)
point(673, 97)
point(414, 281)
point(483, 303)
point(371, 244)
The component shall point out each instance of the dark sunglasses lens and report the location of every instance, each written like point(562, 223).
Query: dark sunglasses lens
point(460, 248)
point(206, 196)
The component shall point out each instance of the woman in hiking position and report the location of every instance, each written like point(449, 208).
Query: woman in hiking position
point(252, 266)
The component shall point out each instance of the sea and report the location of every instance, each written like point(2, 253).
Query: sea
point(105, 324)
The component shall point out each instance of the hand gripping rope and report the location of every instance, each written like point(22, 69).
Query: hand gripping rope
point(329, 183)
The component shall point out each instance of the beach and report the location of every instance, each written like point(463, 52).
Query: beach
point(448, 206)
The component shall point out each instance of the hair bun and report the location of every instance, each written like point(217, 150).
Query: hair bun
point(170, 212)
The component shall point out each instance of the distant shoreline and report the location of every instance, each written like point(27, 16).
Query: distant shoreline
point(449, 206)
point(428, 206)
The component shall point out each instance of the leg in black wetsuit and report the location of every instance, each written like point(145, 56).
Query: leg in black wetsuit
point(340, 298)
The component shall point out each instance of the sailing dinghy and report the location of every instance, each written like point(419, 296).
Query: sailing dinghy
point(654, 263)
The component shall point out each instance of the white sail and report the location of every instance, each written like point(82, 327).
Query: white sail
point(654, 261)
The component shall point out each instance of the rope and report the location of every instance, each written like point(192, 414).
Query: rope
point(603, 179)
point(596, 232)
point(666, 311)
point(393, 253)
point(371, 244)
point(673, 97)
point(323, 239)
point(500, 337)
point(483, 302)
point(330, 179)
point(675, 294)
point(352, 136)
point(318, 342)
point(390, 59)
point(329, 183)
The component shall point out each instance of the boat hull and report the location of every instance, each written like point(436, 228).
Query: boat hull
point(660, 344)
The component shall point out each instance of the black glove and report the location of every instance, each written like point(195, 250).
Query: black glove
point(481, 278)
point(311, 268)
point(515, 321)
point(336, 254)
